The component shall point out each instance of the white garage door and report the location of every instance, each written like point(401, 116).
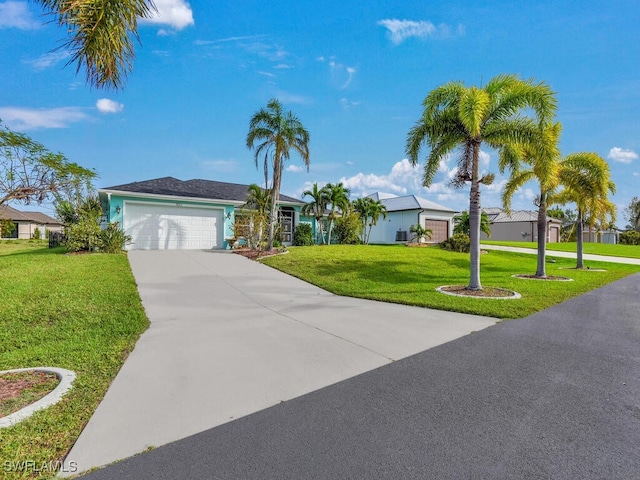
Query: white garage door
point(168, 227)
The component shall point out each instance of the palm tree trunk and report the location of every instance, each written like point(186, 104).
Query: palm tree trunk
point(275, 196)
point(579, 262)
point(542, 236)
point(474, 223)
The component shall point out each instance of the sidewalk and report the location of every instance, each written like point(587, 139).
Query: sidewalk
point(553, 253)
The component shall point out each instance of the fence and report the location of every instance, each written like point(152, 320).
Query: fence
point(56, 239)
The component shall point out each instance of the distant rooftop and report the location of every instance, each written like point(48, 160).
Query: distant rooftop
point(396, 203)
point(498, 215)
point(10, 213)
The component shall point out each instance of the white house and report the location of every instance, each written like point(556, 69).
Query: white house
point(402, 212)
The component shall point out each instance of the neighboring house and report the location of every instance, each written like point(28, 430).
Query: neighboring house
point(520, 225)
point(402, 212)
point(592, 235)
point(26, 223)
point(167, 213)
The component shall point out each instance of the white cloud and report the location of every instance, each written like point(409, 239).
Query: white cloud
point(286, 97)
point(17, 15)
point(266, 74)
point(402, 179)
point(622, 155)
point(340, 73)
point(347, 104)
point(49, 59)
point(220, 165)
point(282, 66)
point(175, 13)
point(29, 119)
point(294, 168)
point(104, 105)
point(400, 30)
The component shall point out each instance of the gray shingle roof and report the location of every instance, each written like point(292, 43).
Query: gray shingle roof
point(196, 188)
point(11, 213)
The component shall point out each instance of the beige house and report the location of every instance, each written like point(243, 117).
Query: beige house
point(519, 226)
point(26, 223)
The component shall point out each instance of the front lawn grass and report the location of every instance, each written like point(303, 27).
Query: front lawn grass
point(400, 274)
point(629, 251)
point(79, 312)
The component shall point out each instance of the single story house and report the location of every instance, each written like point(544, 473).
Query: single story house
point(520, 225)
point(408, 210)
point(26, 223)
point(167, 213)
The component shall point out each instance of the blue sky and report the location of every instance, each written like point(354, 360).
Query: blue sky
point(355, 73)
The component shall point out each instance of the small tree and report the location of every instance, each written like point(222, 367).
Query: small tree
point(632, 214)
point(463, 223)
point(420, 233)
point(29, 173)
point(348, 228)
point(83, 233)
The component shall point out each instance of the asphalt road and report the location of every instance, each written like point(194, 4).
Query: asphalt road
point(552, 396)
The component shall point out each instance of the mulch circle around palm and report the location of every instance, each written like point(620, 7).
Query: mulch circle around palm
point(486, 292)
point(552, 278)
point(19, 389)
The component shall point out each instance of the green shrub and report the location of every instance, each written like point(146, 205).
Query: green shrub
point(36, 233)
point(458, 242)
point(630, 238)
point(303, 235)
point(83, 236)
point(113, 239)
point(347, 229)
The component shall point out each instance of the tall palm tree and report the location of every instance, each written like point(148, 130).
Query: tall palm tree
point(543, 158)
point(463, 118)
point(276, 133)
point(316, 207)
point(101, 35)
point(338, 198)
point(587, 182)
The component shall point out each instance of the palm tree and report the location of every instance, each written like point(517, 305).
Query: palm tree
point(463, 223)
point(587, 182)
point(459, 117)
point(420, 232)
point(101, 36)
point(338, 198)
point(543, 158)
point(369, 211)
point(278, 132)
point(316, 207)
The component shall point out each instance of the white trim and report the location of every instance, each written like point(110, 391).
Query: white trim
point(170, 198)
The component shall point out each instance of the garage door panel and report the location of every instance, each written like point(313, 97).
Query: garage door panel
point(154, 227)
point(440, 229)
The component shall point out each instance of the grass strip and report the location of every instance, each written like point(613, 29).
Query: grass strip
point(410, 276)
point(79, 312)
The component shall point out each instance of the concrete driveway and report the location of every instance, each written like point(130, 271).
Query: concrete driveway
point(230, 337)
